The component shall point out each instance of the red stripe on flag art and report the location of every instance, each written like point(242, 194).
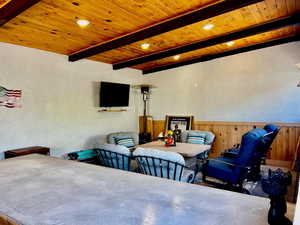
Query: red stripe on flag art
point(10, 98)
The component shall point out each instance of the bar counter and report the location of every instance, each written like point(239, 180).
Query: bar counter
point(41, 190)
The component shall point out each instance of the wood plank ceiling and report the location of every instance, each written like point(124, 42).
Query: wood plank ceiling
point(51, 25)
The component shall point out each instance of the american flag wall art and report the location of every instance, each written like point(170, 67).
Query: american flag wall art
point(10, 98)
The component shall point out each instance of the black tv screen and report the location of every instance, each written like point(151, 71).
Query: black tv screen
point(114, 94)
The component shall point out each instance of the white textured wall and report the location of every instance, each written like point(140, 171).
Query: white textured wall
point(59, 98)
point(253, 86)
point(59, 101)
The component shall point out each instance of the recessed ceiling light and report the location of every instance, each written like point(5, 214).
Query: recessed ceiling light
point(145, 46)
point(230, 43)
point(83, 23)
point(208, 26)
point(176, 57)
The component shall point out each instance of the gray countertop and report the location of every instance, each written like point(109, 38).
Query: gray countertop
point(40, 190)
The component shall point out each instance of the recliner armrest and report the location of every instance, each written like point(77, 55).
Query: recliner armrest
point(231, 155)
point(229, 164)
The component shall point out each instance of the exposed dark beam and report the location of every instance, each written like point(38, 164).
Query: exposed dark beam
point(14, 8)
point(258, 29)
point(227, 53)
point(171, 24)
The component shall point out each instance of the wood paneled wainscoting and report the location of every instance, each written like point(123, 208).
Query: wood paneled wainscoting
point(230, 133)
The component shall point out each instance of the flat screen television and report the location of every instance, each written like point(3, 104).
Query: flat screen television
point(114, 94)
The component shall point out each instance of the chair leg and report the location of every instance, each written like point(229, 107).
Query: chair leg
point(254, 173)
point(202, 169)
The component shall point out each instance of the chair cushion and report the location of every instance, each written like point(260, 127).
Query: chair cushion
point(171, 156)
point(196, 139)
point(111, 137)
point(221, 171)
point(126, 141)
point(116, 148)
point(208, 136)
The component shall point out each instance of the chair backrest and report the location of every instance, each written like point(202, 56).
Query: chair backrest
point(251, 147)
point(114, 156)
point(158, 163)
point(250, 152)
point(208, 136)
point(111, 138)
point(274, 130)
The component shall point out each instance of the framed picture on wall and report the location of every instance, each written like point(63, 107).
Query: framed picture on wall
point(181, 122)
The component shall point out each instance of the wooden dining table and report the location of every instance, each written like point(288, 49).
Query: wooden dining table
point(188, 151)
point(185, 149)
point(42, 190)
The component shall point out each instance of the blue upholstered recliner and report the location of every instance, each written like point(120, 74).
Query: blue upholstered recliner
point(234, 171)
point(163, 164)
point(272, 132)
point(114, 156)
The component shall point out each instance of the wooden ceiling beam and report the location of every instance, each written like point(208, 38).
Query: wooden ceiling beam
point(13, 8)
point(257, 29)
point(224, 54)
point(195, 16)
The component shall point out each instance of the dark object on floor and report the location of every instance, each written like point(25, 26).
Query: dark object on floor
point(27, 151)
point(87, 156)
point(234, 173)
point(276, 186)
